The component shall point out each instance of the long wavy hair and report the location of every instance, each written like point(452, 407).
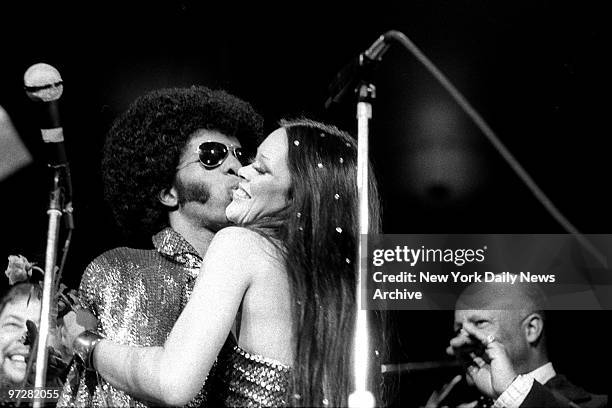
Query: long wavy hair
point(319, 233)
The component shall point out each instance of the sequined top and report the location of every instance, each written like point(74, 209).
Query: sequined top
point(243, 379)
point(137, 296)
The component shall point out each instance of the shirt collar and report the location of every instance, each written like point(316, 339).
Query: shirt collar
point(172, 244)
point(543, 373)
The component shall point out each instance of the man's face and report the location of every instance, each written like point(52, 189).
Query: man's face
point(203, 194)
point(505, 325)
point(13, 353)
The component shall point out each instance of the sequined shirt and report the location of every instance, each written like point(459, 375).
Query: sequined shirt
point(135, 293)
point(137, 296)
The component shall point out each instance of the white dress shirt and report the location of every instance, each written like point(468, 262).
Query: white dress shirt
point(516, 393)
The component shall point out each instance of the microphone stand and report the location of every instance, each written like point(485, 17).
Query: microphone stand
point(357, 77)
point(56, 207)
point(361, 397)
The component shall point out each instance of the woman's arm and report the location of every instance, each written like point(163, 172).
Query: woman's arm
point(135, 370)
point(174, 373)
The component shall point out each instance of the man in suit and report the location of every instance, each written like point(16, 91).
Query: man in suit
point(501, 342)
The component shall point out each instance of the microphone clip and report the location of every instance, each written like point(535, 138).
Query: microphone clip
point(357, 76)
point(61, 194)
point(349, 79)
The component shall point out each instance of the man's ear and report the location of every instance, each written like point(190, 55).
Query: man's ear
point(533, 327)
point(169, 197)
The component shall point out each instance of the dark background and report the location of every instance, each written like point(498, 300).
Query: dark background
point(535, 70)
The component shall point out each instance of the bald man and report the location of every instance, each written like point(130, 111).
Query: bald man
point(500, 340)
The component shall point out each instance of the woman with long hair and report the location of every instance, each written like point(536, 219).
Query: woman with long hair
point(283, 282)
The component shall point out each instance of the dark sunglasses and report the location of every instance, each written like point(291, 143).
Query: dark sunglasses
point(213, 154)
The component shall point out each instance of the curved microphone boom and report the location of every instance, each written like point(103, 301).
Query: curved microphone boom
point(396, 36)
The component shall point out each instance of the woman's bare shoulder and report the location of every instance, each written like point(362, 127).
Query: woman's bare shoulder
point(245, 247)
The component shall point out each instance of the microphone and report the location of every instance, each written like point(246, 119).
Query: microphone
point(358, 69)
point(43, 85)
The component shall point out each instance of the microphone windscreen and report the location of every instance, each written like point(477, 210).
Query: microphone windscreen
point(43, 83)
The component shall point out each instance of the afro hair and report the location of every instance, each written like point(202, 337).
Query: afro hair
point(144, 145)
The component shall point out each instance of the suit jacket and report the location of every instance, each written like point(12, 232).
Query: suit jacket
point(559, 392)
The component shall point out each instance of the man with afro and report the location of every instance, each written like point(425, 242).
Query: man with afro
point(169, 166)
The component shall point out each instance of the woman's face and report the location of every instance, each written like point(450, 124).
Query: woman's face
point(264, 187)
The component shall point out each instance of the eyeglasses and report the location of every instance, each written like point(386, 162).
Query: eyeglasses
point(213, 154)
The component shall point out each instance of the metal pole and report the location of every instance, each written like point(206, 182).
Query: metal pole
point(361, 396)
point(55, 213)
